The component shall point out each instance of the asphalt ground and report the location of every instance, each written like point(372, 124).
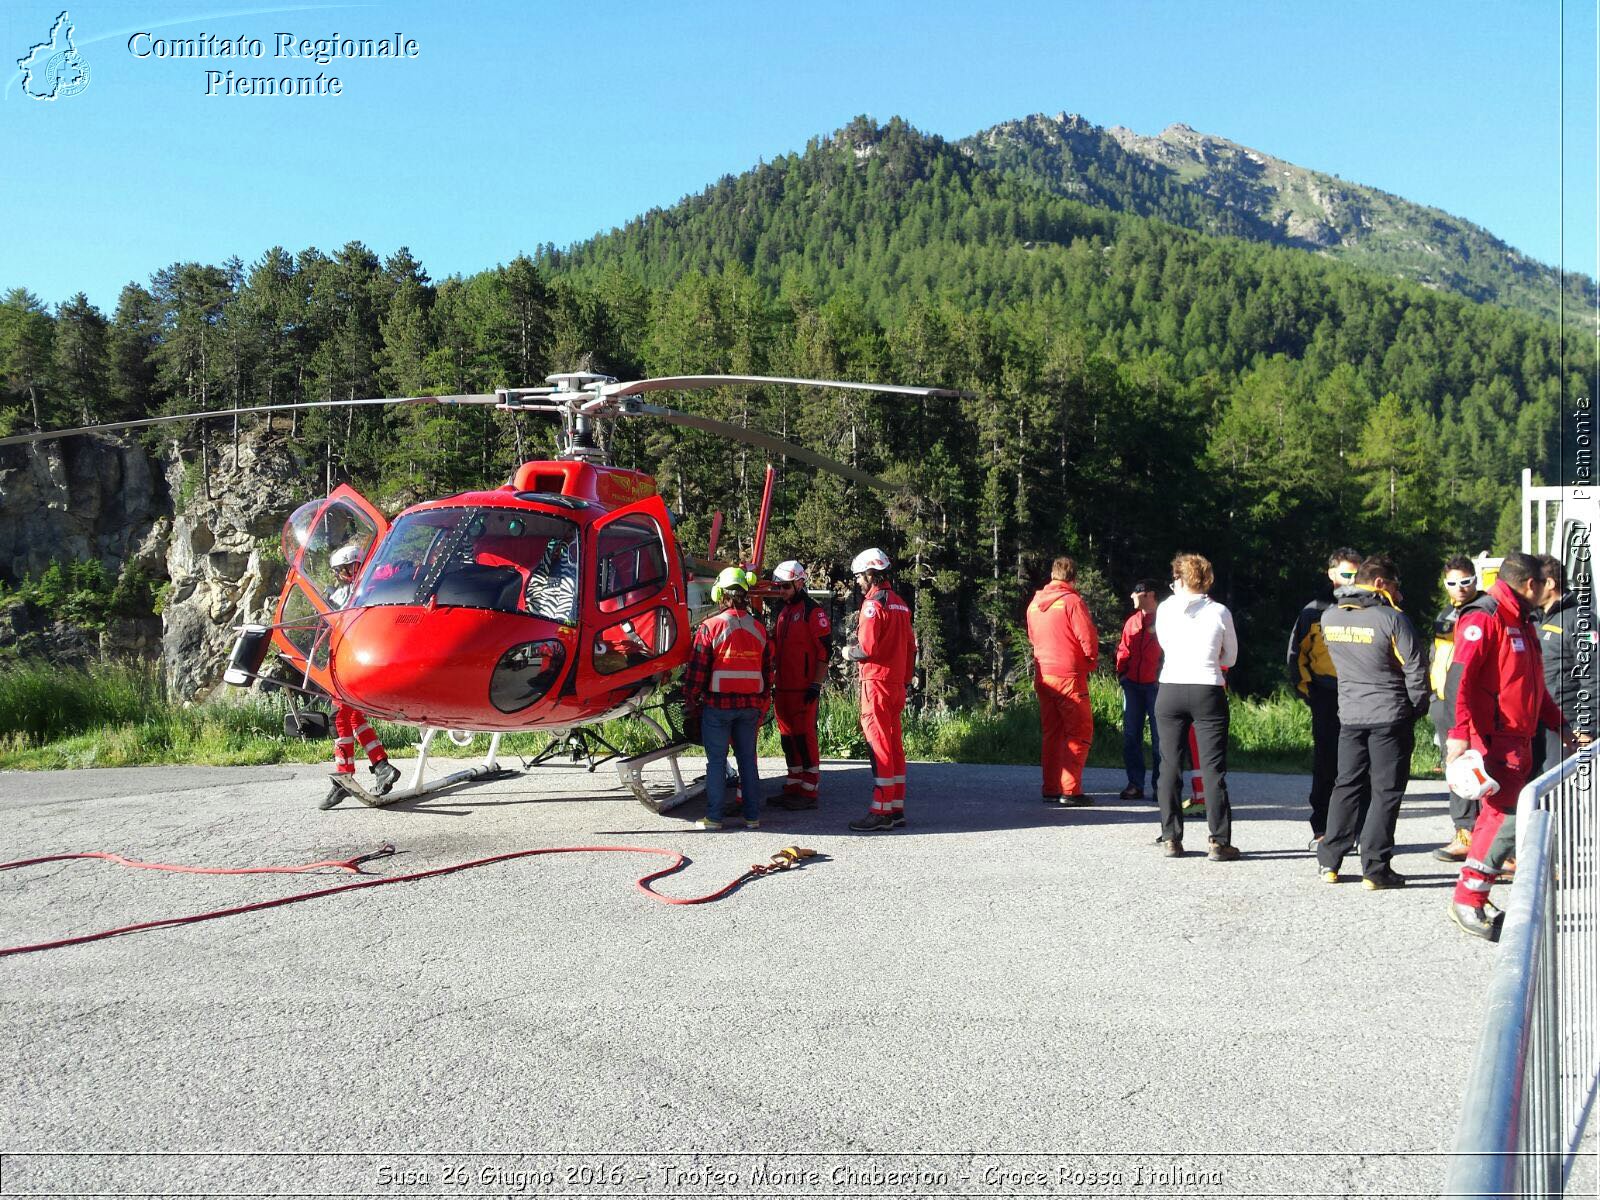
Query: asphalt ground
point(1001, 999)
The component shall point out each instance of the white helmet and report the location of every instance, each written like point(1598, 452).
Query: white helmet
point(1468, 777)
point(789, 571)
point(347, 555)
point(869, 560)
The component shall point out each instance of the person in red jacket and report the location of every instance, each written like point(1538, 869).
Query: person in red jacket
point(727, 686)
point(1501, 701)
point(1138, 668)
point(800, 636)
point(1066, 649)
point(886, 648)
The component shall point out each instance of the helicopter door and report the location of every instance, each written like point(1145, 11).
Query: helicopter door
point(310, 537)
point(634, 613)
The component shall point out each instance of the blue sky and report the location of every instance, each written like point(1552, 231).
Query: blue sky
point(519, 124)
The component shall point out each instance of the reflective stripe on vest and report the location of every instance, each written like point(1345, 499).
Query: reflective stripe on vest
point(738, 644)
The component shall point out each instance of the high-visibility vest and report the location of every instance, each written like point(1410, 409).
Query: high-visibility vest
point(738, 644)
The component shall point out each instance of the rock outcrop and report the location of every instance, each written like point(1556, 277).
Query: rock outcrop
point(77, 499)
point(224, 557)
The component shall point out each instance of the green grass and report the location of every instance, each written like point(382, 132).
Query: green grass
point(117, 715)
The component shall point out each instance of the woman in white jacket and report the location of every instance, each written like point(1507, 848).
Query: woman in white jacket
point(1198, 643)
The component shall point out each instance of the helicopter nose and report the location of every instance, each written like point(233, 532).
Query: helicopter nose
point(411, 664)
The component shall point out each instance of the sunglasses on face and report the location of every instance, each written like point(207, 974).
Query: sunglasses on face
point(1347, 574)
point(1460, 583)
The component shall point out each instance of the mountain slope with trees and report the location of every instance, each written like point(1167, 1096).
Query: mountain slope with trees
point(1213, 185)
point(1144, 388)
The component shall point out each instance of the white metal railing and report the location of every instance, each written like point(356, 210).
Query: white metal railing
point(1532, 1086)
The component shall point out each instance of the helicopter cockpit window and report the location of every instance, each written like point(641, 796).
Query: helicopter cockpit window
point(322, 527)
point(508, 560)
point(632, 563)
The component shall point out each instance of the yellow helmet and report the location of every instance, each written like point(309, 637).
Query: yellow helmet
point(732, 577)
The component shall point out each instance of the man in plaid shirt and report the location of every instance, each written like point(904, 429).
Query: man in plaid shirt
point(727, 689)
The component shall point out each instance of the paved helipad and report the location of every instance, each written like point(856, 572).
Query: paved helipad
point(1000, 1000)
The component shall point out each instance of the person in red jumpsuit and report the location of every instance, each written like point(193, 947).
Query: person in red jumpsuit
point(1066, 649)
point(801, 636)
point(1501, 701)
point(349, 725)
point(886, 649)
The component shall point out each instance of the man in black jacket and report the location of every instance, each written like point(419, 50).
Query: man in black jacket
point(1383, 688)
point(1313, 679)
point(1568, 650)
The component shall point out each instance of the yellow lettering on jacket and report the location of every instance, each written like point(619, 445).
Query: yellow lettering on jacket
point(1347, 633)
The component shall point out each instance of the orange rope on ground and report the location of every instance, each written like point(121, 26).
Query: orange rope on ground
point(353, 865)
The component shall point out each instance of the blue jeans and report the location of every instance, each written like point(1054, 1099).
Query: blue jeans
point(719, 726)
point(1139, 706)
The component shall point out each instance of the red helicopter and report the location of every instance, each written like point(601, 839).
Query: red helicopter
point(555, 602)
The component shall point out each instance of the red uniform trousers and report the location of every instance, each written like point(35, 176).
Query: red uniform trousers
point(350, 727)
point(797, 733)
point(881, 706)
point(1507, 761)
point(1067, 724)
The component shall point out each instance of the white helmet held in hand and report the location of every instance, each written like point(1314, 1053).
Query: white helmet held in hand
point(869, 560)
point(789, 571)
point(1469, 778)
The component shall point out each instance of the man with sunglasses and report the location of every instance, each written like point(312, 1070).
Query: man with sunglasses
point(1314, 680)
point(1461, 589)
point(1501, 703)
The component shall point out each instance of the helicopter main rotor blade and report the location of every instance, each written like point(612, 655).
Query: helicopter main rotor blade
point(52, 434)
point(765, 441)
point(692, 382)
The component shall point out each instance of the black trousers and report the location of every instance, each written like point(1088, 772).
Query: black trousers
point(1324, 752)
point(1205, 707)
point(1463, 813)
point(1375, 756)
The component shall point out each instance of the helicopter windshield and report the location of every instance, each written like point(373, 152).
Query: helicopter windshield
point(508, 560)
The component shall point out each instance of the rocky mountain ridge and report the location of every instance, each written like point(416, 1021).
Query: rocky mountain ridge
point(1217, 186)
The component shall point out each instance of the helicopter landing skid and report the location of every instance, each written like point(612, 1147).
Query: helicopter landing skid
point(631, 772)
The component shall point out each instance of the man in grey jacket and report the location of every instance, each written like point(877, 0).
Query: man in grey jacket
point(1383, 688)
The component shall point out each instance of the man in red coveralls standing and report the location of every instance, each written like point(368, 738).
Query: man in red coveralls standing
point(887, 651)
point(801, 636)
point(1501, 700)
point(1065, 651)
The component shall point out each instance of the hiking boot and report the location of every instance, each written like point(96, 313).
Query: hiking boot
point(1455, 850)
point(1171, 848)
point(898, 818)
point(1472, 920)
point(1223, 852)
point(1131, 792)
point(873, 822)
point(707, 823)
point(335, 794)
point(384, 776)
point(796, 802)
point(1076, 800)
point(1383, 879)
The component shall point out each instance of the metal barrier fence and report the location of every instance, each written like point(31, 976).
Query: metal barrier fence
point(1533, 1081)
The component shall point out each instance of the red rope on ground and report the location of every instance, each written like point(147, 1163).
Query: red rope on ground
point(643, 883)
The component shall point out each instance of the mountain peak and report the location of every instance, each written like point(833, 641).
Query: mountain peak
point(1215, 185)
